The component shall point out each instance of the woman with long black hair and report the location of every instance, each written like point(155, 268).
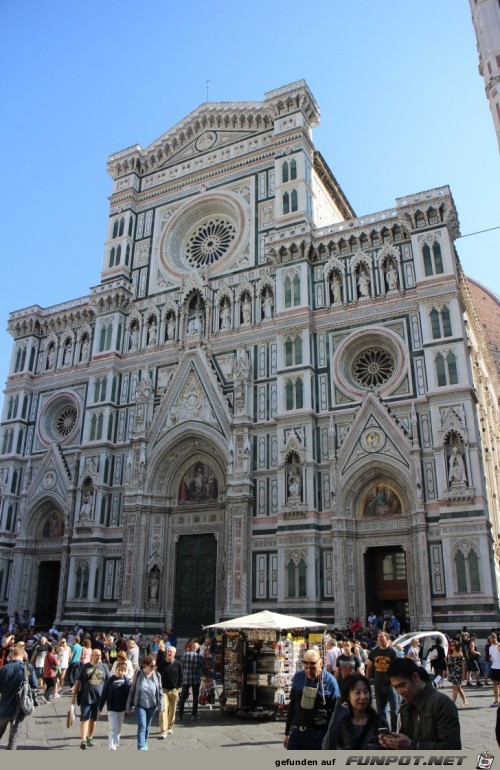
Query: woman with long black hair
point(354, 724)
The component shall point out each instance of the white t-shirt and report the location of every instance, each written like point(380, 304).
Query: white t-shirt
point(331, 657)
point(495, 655)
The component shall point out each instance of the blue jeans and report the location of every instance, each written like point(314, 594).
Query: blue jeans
point(144, 718)
point(384, 696)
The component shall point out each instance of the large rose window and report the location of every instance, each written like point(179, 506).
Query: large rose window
point(210, 232)
point(209, 242)
point(373, 367)
point(65, 420)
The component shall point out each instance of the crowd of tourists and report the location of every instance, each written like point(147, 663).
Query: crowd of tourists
point(363, 692)
point(99, 670)
point(370, 692)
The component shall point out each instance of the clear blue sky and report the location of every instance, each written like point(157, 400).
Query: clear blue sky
point(402, 106)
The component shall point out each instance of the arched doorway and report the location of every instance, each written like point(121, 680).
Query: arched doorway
point(386, 582)
point(48, 565)
point(47, 593)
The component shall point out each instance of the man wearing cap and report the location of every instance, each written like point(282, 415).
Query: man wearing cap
point(312, 700)
point(11, 677)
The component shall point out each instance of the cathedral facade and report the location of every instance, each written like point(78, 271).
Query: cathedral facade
point(266, 403)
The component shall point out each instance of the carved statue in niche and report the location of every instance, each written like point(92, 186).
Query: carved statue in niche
point(293, 485)
point(87, 505)
point(241, 376)
point(91, 467)
point(267, 304)
point(171, 327)
point(246, 309)
point(142, 399)
point(84, 350)
point(392, 276)
point(152, 332)
point(134, 336)
point(144, 387)
point(382, 500)
point(225, 315)
point(456, 470)
point(195, 316)
point(336, 288)
point(67, 352)
point(199, 484)
point(364, 282)
point(293, 480)
point(51, 356)
point(153, 585)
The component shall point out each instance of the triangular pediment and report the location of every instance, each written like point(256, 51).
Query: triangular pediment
point(216, 124)
point(51, 479)
point(374, 435)
point(192, 395)
point(208, 140)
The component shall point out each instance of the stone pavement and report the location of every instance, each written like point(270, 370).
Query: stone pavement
point(46, 729)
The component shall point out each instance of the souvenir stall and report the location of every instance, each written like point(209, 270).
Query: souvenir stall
point(260, 655)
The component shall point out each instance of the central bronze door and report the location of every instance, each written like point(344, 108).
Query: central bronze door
point(195, 567)
point(47, 592)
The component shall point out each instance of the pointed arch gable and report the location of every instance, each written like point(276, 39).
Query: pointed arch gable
point(193, 364)
point(51, 481)
point(386, 252)
point(245, 286)
point(361, 258)
point(334, 264)
point(374, 436)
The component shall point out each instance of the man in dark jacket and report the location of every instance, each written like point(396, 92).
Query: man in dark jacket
point(429, 719)
point(171, 674)
point(11, 678)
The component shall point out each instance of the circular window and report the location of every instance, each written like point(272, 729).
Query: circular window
point(372, 368)
point(65, 421)
point(206, 233)
point(370, 359)
point(209, 242)
point(59, 420)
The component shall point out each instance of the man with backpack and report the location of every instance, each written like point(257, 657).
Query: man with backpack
point(12, 680)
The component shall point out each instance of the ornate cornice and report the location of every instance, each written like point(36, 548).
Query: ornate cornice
point(43, 321)
point(244, 117)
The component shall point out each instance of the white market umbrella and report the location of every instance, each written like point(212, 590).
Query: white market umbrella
point(267, 620)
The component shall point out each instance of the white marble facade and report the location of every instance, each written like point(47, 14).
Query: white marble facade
point(265, 401)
